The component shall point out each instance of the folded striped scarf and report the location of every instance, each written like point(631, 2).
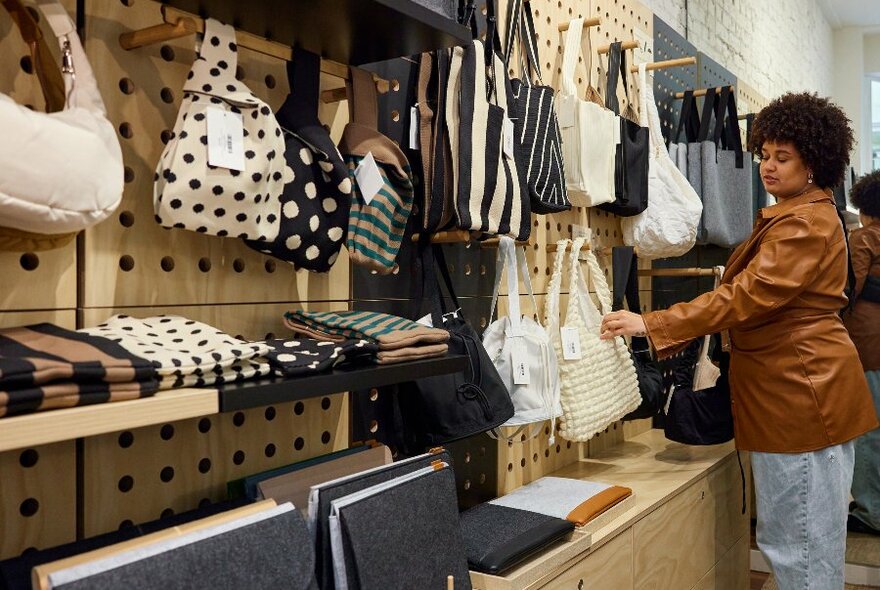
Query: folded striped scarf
point(44, 366)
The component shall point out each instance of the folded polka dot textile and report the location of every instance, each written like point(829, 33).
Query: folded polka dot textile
point(293, 358)
point(186, 353)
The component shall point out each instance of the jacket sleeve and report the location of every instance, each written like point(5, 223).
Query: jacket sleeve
point(861, 252)
point(786, 261)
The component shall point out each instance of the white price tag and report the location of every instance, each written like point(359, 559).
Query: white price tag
point(414, 127)
point(565, 112)
point(368, 178)
point(571, 344)
point(520, 361)
point(225, 139)
point(426, 321)
point(508, 138)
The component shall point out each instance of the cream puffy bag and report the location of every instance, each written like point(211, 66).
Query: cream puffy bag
point(59, 172)
point(706, 374)
point(590, 132)
point(598, 379)
point(513, 337)
point(668, 227)
point(190, 193)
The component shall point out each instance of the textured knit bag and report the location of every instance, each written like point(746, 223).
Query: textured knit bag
point(376, 221)
point(599, 385)
point(315, 205)
point(517, 341)
point(534, 115)
point(59, 172)
point(492, 196)
point(189, 192)
point(631, 157)
point(668, 226)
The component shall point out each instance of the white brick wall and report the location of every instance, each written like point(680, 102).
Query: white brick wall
point(773, 46)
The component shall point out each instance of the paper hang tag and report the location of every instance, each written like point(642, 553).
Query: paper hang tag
point(508, 138)
point(414, 127)
point(520, 361)
point(571, 343)
point(426, 321)
point(565, 112)
point(368, 178)
point(225, 139)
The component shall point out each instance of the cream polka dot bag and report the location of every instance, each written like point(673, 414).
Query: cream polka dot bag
point(220, 117)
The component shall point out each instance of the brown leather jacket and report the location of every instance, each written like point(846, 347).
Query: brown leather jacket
point(795, 378)
point(863, 322)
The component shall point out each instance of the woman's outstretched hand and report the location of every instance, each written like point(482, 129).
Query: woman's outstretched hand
point(622, 323)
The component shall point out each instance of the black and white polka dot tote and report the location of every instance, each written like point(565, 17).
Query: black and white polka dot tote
point(315, 205)
point(241, 198)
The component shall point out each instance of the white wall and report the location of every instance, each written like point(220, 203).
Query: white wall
point(774, 46)
point(872, 53)
point(850, 90)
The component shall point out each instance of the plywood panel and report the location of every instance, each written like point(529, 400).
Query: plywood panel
point(66, 318)
point(142, 90)
point(139, 475)
point(37, 497)
point(608, 568)
point(732, 570)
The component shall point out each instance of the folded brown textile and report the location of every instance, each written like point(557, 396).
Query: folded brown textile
point(412, 353)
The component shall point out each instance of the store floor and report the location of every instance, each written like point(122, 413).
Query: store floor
point(760, 581)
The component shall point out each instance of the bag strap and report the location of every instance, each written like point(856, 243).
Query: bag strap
point(361, 91)
point(530, 40)
point(648, 115)
point(426, 135)
point(47, 71)
point(304, 79)
point(684, 115)
point(625, 272)
point(613, 75)
point(710, 103)
point(570, 54)
point(600, 284)
point(727, 129)
point(514, 15)
point(509, 257)
point(551, 305)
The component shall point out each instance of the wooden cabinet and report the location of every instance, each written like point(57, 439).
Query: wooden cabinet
point(608, 568)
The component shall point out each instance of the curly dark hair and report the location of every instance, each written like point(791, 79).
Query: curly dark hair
point(817, 127)
point(865, 194)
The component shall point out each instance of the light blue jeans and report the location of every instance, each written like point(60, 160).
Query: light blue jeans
point(866, 479)
point(802, 503)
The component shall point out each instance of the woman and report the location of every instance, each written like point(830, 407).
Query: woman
point(799, 396)
point(863, 323)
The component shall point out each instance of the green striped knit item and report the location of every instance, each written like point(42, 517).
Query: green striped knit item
point(375, 230)
point(389, 331)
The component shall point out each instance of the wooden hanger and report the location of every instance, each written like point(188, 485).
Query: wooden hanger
point(45, 67)
point(701, 92)
point(669, 63)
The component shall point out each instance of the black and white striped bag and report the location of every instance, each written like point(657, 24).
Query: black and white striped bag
point(491, 194)
point(534, 114)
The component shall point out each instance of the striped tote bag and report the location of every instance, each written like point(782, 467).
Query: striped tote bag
point(377, 220)
point(534, 112)
point(491, 195)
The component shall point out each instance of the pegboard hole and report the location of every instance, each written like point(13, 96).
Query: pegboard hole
point(167, 263)
point(238, 457)
point(167, 473)
point(126, 262)
point(325, 403)
point(395, 116)
point(29, 507)
point(167, 53)
point(299, 408)
point(239, 73)
point(126, 131)
point(535, 458)
point(126, 219)
point(299, 443)
point(522, 462)
point(167, 95)
point(467, 457)
point(28, 458)
point(510, 467)
point(268, 336)
point(270, 266)
point(166, 136)
point(204, 264)
point(204, 465)
point(374, 426)
point(127, 2)
point(238, 265)
point(127, 523)
point(126, 85)
point(29, 261)
point(167, 513)
point(467, 484)
point(269, 451)
point(270, 81)
point(238, 419)
point(167, 432)
point(374, 394)
point(270, 413)
point(26, 64)
point(127, 174)
point(467, 270)
point(395, 85)
point(204, 425)
point(126, 439)
point(325, 437)
point(126, 482)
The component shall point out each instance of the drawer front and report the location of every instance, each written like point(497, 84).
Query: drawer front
point(607, 568)
point(732, 570)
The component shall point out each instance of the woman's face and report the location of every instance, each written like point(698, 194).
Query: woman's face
point(782, 170)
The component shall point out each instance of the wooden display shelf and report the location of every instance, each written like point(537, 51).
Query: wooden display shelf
point(656, 469)
point(264, 392)
point(19, 432)
point(347, 31)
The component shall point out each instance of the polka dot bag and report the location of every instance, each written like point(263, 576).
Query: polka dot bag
point(315, 205)
point(191, 194)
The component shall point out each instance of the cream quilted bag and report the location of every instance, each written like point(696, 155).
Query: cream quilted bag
point(598, 379)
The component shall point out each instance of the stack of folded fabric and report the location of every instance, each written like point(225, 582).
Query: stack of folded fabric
point(184, 352)
point(44, 367)
point(398, 339)
point(295, 358)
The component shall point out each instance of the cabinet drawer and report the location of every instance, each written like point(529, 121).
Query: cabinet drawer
point(608, 568)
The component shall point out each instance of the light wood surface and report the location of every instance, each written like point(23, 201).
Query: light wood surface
point(18, 432)
point(729, 573)
point(625, 46)
point(698, 92)
point(677, 272)
point(588, 22)
point(669, 63)
point(608, 568)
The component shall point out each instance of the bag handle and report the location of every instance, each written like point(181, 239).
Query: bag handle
point(362, 99)
point(731, 138)
point(570, 54)
point(704, 347)
point(509, 257)
point(625, 271)
point(426, 136)
point(710, 103)
point(530, 39)
point(304, 79)
point(551, 306)
point(686, 118)
point(47, 71)
point(612, 76)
